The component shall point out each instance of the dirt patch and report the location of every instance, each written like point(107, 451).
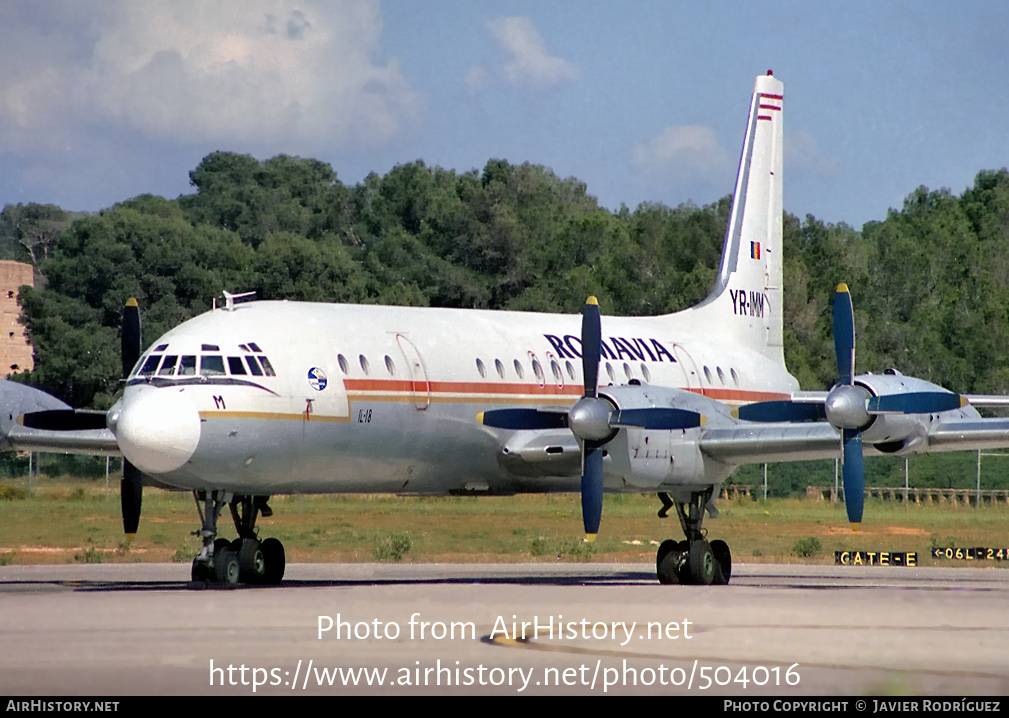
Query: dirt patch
point(905, 531)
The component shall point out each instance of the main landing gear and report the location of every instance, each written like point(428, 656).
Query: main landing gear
point(225, 563)
point(693, 561)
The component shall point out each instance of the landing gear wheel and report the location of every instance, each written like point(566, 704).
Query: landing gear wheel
point(226, 568)
point(200, 572)
point(667, 562)
point(274, 561)
point(251, 564)
point(701, 563)
point(723, 562)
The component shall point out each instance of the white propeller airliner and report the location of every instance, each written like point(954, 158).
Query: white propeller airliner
point(273, 397)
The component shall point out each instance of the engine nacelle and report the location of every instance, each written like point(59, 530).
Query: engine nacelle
point(896, 432)
point(645, 459)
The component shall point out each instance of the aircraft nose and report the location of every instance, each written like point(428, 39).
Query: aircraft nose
point(157, 429)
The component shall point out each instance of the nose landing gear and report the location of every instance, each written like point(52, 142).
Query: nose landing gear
point(225, 564)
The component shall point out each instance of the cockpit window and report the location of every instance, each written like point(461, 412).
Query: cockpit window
point(188, 366)
point(212, 365)
point(267, 367)
point(168, 365)
point(235, 365)
point(210, 348)
point(254, 347)
point(160, 347)
point(254, 366)
point(151, 365)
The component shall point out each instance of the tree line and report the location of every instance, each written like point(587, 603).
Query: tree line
point(928, 280)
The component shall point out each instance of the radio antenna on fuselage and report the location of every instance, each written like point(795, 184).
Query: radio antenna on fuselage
point(229, 300)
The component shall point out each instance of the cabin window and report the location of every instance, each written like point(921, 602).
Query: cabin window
point(212, 365)
point(235, 365)
point(721, 375)
point(168, 365)
point(344, 364)
point(571, 369)
point(538, 371)
point(735, 376)
point(499, 367)
point(365, 366)
point(627, 371)
point(481, 368)
point(390, 366)
point(188, 366)
point(254, 366)
point(518, 369)
point(609, 372)
point(556, 369)
point(707, 374)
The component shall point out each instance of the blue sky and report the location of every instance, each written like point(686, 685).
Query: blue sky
point(643, 101)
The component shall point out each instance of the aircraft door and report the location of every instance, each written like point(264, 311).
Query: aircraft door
point(691, 377)
point(420, 387)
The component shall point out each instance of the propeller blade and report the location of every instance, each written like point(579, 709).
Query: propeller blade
point(131, 495)
point(592, 338)
point(517, 419)
point(656, 419)
point(854, 478)
point(781, 411)
point(592, 489)
point(132, 485)
point(64, 420)
point(844, 334)
point(131, 337)
point(917, 402)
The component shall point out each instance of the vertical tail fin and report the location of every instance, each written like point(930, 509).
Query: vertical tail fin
point(745, 302)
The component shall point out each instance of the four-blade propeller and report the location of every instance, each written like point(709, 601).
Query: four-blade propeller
point(850, 407)
point(593, 420)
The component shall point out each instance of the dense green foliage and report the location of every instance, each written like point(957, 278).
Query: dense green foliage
point(928, 281)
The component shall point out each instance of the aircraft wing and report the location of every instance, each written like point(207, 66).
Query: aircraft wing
point(757, 443)
point(96, 442)
point(36, 421)
point(749, 443)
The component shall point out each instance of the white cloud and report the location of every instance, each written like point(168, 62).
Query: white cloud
point(802, 154)
point(259, 71)
point(682, 154)
point(476, 79)
point(528, 60)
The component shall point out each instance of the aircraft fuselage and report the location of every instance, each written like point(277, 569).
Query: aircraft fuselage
point(384, 399)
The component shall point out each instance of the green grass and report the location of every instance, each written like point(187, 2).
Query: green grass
point(67, 520)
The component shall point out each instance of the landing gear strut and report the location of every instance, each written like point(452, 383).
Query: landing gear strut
point(693, 561)
point(247, 559)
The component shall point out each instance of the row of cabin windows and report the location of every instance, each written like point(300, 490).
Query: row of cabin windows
point(555, 368)
point(208, 365)
point(557, 371)
point(607, 366)
point(721, 375)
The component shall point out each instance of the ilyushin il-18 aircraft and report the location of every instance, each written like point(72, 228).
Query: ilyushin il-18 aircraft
point(258, 398)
